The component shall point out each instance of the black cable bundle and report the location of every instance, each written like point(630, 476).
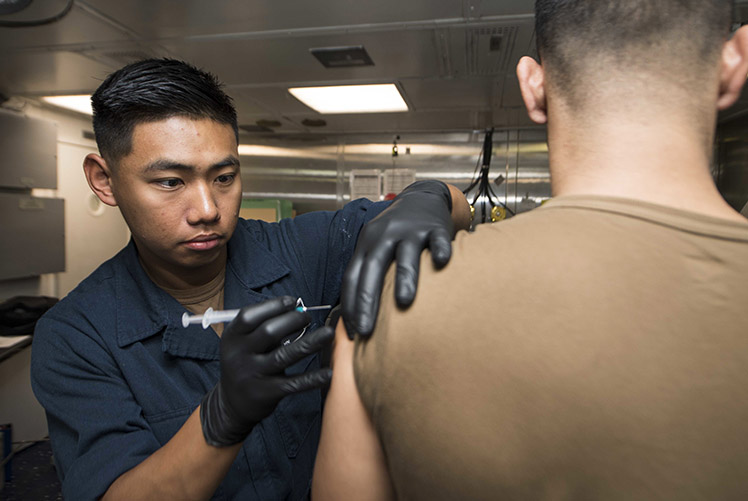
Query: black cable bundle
point(485, 204)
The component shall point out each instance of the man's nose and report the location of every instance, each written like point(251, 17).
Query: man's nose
point(203, 207)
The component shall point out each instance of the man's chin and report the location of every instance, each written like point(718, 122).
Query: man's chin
point(199, 259)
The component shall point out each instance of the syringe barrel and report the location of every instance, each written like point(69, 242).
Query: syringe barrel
point(213, 317)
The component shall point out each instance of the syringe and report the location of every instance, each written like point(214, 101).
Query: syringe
point(212, 316)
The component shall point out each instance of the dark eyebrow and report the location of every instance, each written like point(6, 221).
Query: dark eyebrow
point(165, 164)
point(229, 161)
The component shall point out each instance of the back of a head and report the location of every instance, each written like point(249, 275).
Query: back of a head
point(153, 90)
point(584, 42)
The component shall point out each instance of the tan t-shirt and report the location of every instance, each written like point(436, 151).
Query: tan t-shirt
point(594, 348)
point(199, 299)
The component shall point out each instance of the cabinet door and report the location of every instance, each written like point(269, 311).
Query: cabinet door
point(33, 235)
point(28, 152)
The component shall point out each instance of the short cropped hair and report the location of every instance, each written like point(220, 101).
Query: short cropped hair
point(153, 90)
point(665, 36)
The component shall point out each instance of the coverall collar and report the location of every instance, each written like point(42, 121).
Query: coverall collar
point(143, 309)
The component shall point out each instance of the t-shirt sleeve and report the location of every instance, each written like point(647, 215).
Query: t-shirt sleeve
point(370, 356)
point(90, 410)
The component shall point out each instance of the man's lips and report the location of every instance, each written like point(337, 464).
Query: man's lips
point(203, 242)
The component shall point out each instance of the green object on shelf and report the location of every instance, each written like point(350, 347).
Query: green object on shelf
point(264, 209)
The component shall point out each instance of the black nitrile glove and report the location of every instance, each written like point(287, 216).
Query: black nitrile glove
point(252, 364)
point(419, 217)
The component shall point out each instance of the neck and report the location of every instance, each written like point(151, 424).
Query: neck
point(661, 158)
point(172, 278)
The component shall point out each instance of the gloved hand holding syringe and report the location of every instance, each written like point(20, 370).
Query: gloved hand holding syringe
point(212, 316)
point(255, 354)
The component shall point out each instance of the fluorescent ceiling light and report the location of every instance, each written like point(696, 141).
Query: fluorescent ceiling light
point(377, 98)
point(378, 149)
point(79, 103)
point(246, 150)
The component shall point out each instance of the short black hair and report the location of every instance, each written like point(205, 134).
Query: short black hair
point(634, 34)
point(151, 90)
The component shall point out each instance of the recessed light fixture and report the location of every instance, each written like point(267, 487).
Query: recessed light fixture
point(374, 98)
point(80, 103)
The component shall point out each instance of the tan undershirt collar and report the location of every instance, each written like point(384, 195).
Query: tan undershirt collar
point(198, 299)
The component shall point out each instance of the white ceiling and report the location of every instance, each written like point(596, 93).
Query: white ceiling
point(436, 51)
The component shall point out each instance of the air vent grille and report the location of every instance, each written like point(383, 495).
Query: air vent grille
point(489, 49)
point(342, 57)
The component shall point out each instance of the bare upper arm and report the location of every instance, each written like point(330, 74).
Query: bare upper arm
point(350, 461)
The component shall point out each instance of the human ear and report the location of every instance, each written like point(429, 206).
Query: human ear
point(99, 178)
point(733, 68)
point(532, 86)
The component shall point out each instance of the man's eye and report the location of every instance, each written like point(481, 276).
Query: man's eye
point(169, 183)
point(226, 178)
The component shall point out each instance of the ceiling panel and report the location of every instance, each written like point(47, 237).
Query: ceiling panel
point(437, 51)
point(277, 99)
point(488, 48)
point(250, 102)
point(120, 54)
point(254, 125)
point(413, 121)
point(50, 73)
point(252, 62)
point(77, 27)
point(440, 94)
point(180, 18)
point(485, 8)
point(424, 95)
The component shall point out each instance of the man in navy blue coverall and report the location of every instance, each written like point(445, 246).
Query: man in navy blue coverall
point(140, 407)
